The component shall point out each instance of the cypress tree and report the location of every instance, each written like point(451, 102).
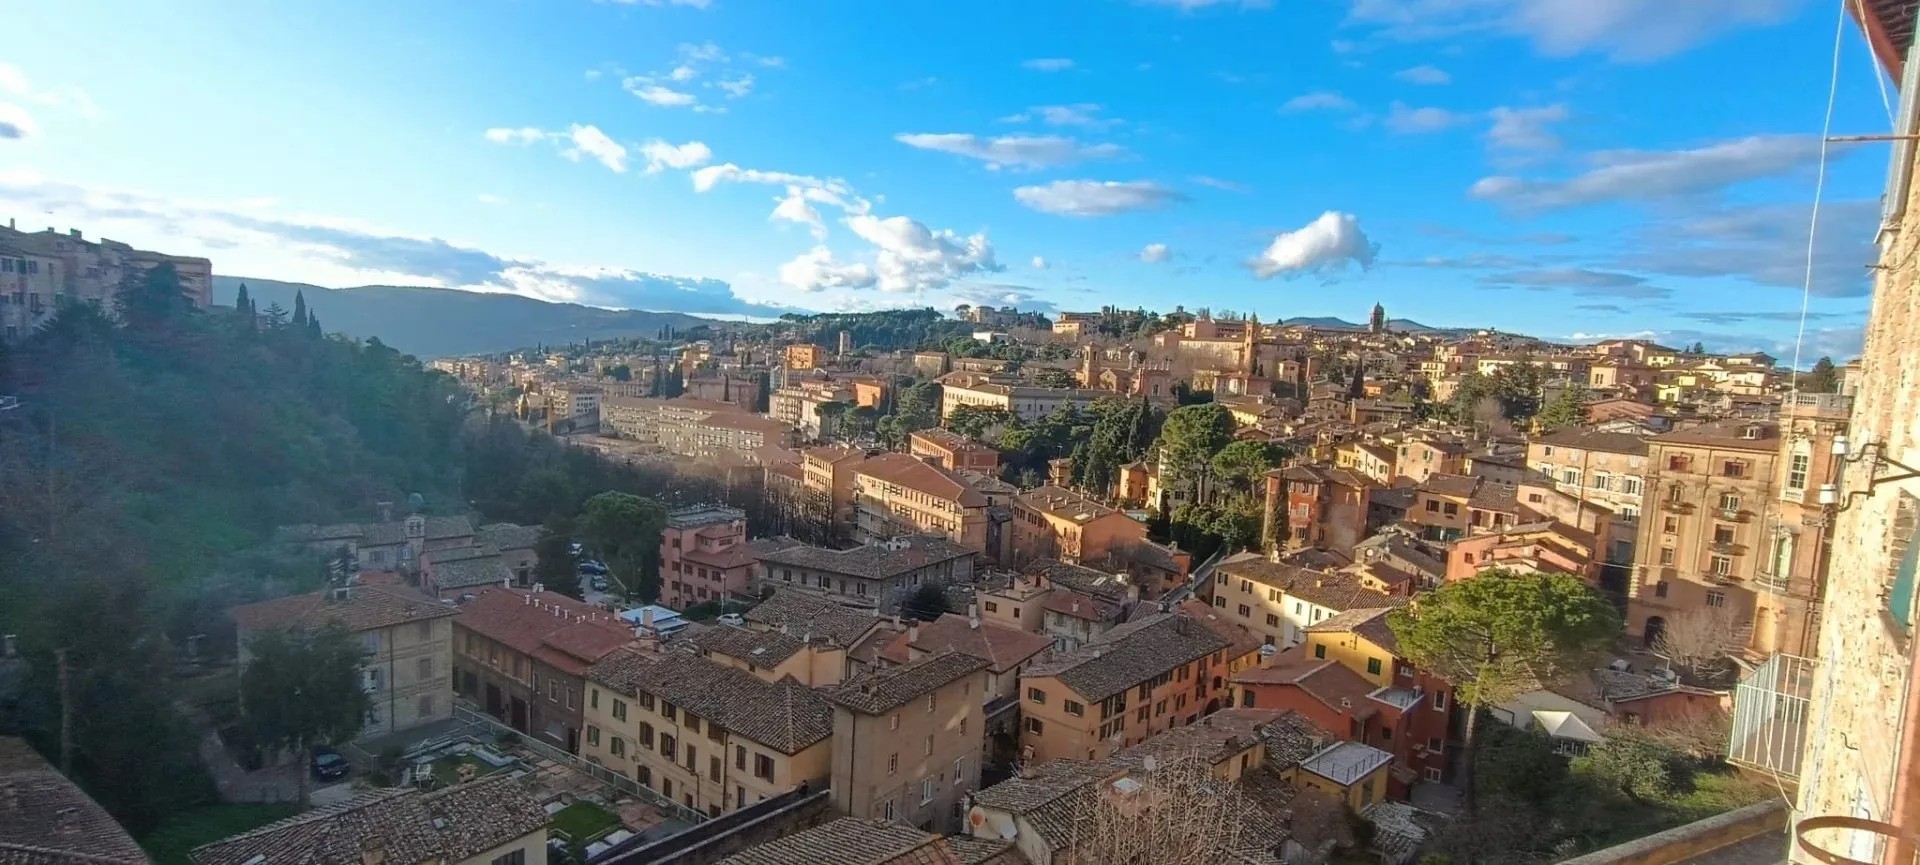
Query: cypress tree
point(300, 310)
point(241, 302)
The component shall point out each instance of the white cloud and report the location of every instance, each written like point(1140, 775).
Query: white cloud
point(520, 135)
point(14, 82)
point(1424, 75)
point(1217, 183)
point(795, 208)
point(683, 72)
point(1095, 197)
point(1407, 120)
point(911, 257)
point(817, 271)
point(1643, 175)
point(1330, 242)
point(1322, 100)
point(705, 52)
point(1048, 64)
point(657, 94)
point(16, 124)
point(1039, 263)
point(826, 191)
point(661, 156)
point(1017, 151)
point(1154, 253)
point(1077, 114)
point(1525, 128)
point(737, 87)
point(590, 141)
point(1624, 30)
point(489, 198)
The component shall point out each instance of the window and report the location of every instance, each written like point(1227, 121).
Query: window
point(1245, 611)
point(1678, 462)
point(1666, 555)
point(669, 747)
point(516, 857)
point(1273, 621)
point(1439, 701)
point(1450, 509)
point(1433, 775)
point(667, 711)
point(593, 735)
point(713, 768)
point(1319, 650)
point(929, 702)
point(927, 746)
point(926, 790)
point(1074, 708)
point(1734, 468)
point(1602, 481)
point(593, 698)
point(553, 691)
point(693, 758)
point(1797, 468)
point(618, 746)
point(692, 722)
point(740, 758)
point(893, 760)
point(1630, 484)
point(1629, 514)
point(763, 767)
point(959, 770)
point(1660, 589)
point(1433, 506)
point(1373, 666)
point(426, 706)
point(1716, 598)
point(1034, 696)
point(992, 607)
point(1570, 477)
point(1722, 535)
point(1720, 565)
point(646, 735)
point(1729, 502)
point(619, 710)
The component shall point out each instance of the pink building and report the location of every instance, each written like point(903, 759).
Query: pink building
point(704, 555)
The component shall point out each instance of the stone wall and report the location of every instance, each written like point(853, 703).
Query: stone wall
point(1685, 843)
point(1860, 691)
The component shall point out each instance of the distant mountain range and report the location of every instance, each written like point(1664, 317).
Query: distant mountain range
point(438, 322)
point(1403, 325)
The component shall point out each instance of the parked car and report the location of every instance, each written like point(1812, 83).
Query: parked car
point(328, 765)
point(592, 567)
point(599, 582)
point(733, 619)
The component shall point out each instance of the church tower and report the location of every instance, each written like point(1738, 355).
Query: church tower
point(1377, 322)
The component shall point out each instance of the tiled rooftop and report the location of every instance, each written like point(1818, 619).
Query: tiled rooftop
point(785, 715)
point(1130, 654)
point(405, 825)
point(46, 819)
point(871, 561)
point(367, 607)
point(879, 691)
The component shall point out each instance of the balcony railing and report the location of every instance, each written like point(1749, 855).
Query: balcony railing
point(1732, 548)
point(1673, 506)
point(1734, 515)
point(1770, 708)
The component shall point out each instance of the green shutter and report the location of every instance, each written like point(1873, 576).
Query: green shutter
point(1900, 594)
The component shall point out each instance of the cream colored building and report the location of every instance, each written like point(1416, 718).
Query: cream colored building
point(1606, 469)
point(705, 734)
point(408, 637)
point(698, 428)
point(895, 494)
point(1023, 401)
point(908, 741)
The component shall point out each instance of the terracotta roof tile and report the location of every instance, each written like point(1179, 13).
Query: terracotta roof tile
point(407, 825)
point(1130, 654)
point(785, 715)
point(850, 840)
point(880, 691)
point(366, 608)
point(45, 818)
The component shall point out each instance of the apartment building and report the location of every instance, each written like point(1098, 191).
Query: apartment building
point(828, 481)
point(1279, 601)
point(708, 735)
point(1701, 547)
point(908, 741)
point(821, 620)
point(878, 577)
point(953, 451)
point(804, 355)
point(1543, 546)
point(39, 270)
point(1160, 670)
point(1023, 401)
point(1424, 456)
point(800, 405)
point(698, 429)
point(810, 658)
point(522, 656)
point(572, 400)
point(1604, 468)
point(1349, 677)
point(1006, 650)
point(408, 638)
point(1375, 461)
point(896, 494)
point(1326, 508)
point(1052, 522)
point(704, 555)
point(1797, 540)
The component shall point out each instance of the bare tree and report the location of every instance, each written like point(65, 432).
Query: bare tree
point(1698, 642)
point(1172, 813)
point(1700, 734)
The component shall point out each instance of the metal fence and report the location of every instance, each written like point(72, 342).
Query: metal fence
point(1770, 707)
point(484, 721)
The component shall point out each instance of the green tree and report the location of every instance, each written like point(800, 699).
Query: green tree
point(625, 529)
point(1499, 633)
point(1569, 408)
point(1242, 463)
point(1055, 378)
point(927, 603)
point(554, 566)
point(299, 309)
point(1190, 438)
point(974, 421)
point(1824, 378)
point(241, 301)
point(149, 297)
point(1632, 763)
point(622, 372)
point(302, 688)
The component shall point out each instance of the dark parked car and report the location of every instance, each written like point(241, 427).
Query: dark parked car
point(328, 765)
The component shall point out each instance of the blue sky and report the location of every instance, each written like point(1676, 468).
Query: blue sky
point(1568, 168)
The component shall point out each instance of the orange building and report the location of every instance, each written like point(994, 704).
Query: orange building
point(1056, 523)
point(953, 451)
point(805, 355)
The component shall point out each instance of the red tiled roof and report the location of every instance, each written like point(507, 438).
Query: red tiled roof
point(1002, 647)
point(559, 631)
point(916, 474)
point(1325, 680)
point(367, 607)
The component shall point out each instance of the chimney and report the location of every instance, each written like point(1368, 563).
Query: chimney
point(646, 618)
point(913, 633)
point(1273, 555)
point(973, 616)
point(526, 600)
point(539, 587)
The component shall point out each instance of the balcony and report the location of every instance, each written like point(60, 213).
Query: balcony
point(1729, 548)
point(1770, 709)
point(1674, 506)
point(1735, 515)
